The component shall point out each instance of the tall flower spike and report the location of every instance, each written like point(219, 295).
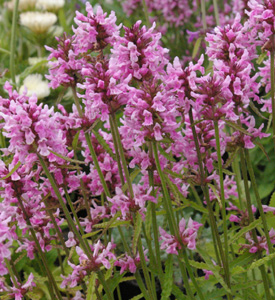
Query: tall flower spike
point(65, 70)
point(138, 53)
point(94, 31)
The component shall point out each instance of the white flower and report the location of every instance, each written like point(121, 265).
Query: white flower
point(35, 85)
point(51, 5)
point(38, 22)
point(22, 5)
point(36, 60)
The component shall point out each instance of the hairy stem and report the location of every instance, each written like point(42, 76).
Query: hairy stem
point(259, 203)
point(40, 252)
point(217, 137)
point(13, 40)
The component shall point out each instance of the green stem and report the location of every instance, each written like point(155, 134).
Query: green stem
point(217, 137)
point(13, 40)
point(40, 252)
point(115, 140)
point(105, 285)
point(154, 217)
point(96, 164)
point(124, 242)
point(152, 293)
point(122, 156)
point(195, 194)
point(170, 215)
point(142, 286)
point(203, 12)
point(77, 103)
point(213, 225)
point(62, 270)
point(216, 11)
point(69, 219)
point(251, 219)
point(236, 170)
point(90, 146)
point(247, 193)
point(83, 192)
point(265, 282)
point(13, 277)
point(259, 203)
point(48, 285)
point(166, 198)
point(145, 9)
point(69, 200)
point(183, 255)
point(60, 236)
point(272, 79)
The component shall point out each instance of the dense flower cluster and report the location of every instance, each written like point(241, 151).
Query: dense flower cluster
point(187, 233)
point(144, 136)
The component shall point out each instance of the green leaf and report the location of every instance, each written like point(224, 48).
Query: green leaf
point(200, 265)
point(12, 171)
point(114, 282)
point(111, 224)
point(133, 175)
point(20, 262)
point(137, 231)
point(235, 288)
point(238, 127)
point(33, 68)
point(213, 188)
point(262, 148)
point(5, 51)
point(165, 154)
point(137, 297)
point(256, 111)
point(261, 261)
point(67, 158)
point(173, 174)
point(148, 220)
point(91, 295)
point(168, 278)
point(237, 270)
point(261, 58)
point(196, 47)
point(104, 144)
point(90, 234)
point(231, 158)
point(75, 140)
point(245, 230)
point(178, 195)
point(253, 295)
point(214, 269)
point(178, 293)
point(51, 257)
point(272, 200)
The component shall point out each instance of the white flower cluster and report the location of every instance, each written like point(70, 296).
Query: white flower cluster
point(34, 84)
point(39, 16)
point(39, 21)
point(49, 5)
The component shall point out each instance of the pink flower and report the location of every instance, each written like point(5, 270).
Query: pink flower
point(71, 241)
point(127, 263)
point(187, 234)
point(94, 31)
